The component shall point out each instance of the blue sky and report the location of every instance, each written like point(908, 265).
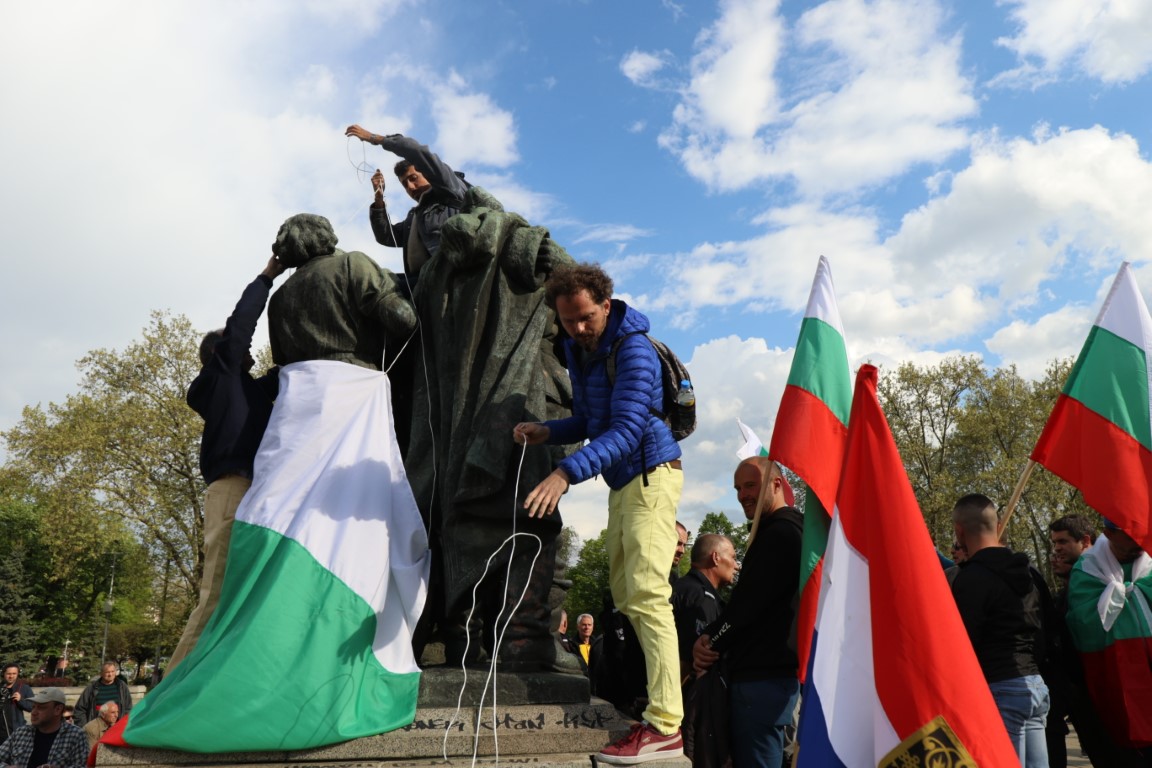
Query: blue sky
point(975, 172)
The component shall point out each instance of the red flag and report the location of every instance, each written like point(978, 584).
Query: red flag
point(894, 676)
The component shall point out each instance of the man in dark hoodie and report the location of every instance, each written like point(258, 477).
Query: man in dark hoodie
point(235, 407)
point(757, 632)
point(1000, 605)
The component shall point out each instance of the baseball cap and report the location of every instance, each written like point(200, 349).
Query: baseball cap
point(49, 694)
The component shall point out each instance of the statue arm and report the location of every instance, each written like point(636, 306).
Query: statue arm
point(379, 296)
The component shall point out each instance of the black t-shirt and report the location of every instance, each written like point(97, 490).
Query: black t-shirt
point(41, 746)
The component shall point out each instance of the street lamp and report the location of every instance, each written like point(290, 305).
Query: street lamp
point(108, 612)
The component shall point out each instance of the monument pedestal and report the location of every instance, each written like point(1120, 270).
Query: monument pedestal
point(539, 719)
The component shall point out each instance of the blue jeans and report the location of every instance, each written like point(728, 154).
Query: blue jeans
point(760, 710)
point(1023, 704)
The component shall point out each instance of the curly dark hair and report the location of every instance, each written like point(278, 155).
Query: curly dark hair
point(208, 345)
point(569, 280)
point(303, 237)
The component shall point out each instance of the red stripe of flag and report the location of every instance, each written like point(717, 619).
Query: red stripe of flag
point(1111, 469)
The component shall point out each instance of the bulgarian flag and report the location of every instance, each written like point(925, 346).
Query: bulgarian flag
point(894, 680)
point(1099, 436)
point(809, 436)
point(327, 575)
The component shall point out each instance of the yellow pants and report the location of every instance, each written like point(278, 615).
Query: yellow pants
point(641, 542)
point(220, 502)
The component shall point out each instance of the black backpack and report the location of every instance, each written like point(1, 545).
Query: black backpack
point(681, 419)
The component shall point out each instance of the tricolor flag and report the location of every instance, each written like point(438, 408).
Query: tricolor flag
point(894, 679)
point(811, 428)
point(327, 575)
point(1099, 436)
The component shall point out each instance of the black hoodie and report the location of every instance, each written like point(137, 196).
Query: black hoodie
point(1000, 606)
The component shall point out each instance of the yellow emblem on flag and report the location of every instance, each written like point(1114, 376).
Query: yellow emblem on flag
point(935, 745)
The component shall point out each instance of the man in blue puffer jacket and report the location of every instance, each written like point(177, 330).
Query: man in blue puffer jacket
point(631, 446)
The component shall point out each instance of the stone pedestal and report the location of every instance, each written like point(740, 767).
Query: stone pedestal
point(535, 721)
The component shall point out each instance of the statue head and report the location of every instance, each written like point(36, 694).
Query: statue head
point(303, 237)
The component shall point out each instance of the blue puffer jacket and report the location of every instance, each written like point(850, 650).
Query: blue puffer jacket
point(625, 438)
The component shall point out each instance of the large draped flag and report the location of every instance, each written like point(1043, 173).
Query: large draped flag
point(1099, 436)
point(327, 575)
point(1110, 618)
point(894, 679)
point(809, 436)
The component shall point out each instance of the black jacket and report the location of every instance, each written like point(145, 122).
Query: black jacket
point(234, 405)
point(1001, 609)
point(695, 605)
point(757, 631)
point(14, 710)
point(85, 708)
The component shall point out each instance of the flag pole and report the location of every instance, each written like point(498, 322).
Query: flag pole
point(1012, 502)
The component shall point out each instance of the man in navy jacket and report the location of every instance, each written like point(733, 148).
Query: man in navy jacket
point(235, 408)
point(632, 447)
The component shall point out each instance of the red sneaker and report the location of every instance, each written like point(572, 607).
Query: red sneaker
point(643, 743)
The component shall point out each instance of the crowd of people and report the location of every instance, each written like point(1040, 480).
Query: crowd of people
point(43, 729)
point(718, 680)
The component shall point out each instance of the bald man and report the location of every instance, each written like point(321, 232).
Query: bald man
point(1001, 608)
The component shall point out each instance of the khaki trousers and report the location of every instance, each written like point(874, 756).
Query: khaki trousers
point(220, 503)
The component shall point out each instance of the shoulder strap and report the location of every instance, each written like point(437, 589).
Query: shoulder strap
point(610, 363)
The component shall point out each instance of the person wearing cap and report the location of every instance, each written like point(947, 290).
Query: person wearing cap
point(47, 740)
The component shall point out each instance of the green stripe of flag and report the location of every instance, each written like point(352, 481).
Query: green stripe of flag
point(1111, 378)
point(818, 344)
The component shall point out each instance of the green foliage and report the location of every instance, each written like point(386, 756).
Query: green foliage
point(126, 447)
point(718, 522)
point(17, 631)
point(567, 545)
point(589, 580)
point(964, 429)
point(111, 476)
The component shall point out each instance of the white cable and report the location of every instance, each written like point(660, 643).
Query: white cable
point(498, 639)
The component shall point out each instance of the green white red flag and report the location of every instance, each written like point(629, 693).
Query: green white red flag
point(810, 434)
point(1099, 435)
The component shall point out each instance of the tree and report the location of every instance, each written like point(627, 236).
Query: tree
point(589, 578)
point(964, 429)
point(126, 446)
point(18, 636)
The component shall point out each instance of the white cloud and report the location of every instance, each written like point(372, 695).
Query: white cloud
point(1032, 346)
point(1105, 39)
point(1026, 209)
point(472, 128)
point(151, 152)
point(641, 67)
point(611, 233)
point(1024, 214)
point(880, 90)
